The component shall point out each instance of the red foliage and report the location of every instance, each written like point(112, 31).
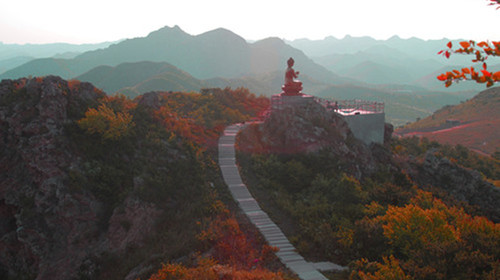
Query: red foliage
point(233, 254)
point(481, 51)
point(231, 246)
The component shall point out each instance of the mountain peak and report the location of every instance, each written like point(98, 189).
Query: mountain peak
point(221, 33)
point(168, 31)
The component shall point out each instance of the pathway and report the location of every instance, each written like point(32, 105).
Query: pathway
point(271, 232)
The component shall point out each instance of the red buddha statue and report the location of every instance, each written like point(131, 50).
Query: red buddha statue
point(291, 86)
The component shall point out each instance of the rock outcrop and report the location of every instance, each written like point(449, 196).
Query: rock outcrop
point(447, 179)
point(309, 128)
point(49, 230)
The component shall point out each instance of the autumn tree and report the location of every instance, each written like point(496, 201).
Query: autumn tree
point(429, 240)
point(106, 122)
point(481, 51)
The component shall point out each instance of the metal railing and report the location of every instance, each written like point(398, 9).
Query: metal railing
point(345, 107)
point(348, 106)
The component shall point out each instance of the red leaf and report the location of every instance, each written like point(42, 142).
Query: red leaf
point(442, 77)
point(465, 44)
point(450, 45)
point(482, 44)
point(486, 73)
point(496, 76)
point(447, 54)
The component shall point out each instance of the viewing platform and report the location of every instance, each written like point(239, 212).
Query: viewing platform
point(366, 119)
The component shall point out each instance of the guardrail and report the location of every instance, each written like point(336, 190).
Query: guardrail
point(346, 106)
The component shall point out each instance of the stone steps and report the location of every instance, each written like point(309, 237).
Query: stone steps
point(271, 232)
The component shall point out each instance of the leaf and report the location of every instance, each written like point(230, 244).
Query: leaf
point(483, 44)
point(465, 44)
point(450, 45)
point(466, 70)
point(496, 76)
point(442, 77)
point(486, 73)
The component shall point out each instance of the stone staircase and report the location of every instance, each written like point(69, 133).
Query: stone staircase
point(271, 232)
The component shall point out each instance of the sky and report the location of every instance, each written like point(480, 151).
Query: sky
point(95, 21)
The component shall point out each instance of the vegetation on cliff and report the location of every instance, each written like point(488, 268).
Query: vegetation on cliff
point(412, 209)
point(104, 187)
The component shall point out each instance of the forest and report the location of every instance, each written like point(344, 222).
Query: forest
point(383, 225)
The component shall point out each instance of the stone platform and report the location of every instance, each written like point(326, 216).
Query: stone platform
point(280, 101)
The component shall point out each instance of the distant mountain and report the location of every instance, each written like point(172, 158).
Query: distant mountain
point(414, 47)
point(14, 55)
point(8, 51)
point(331, 45)
point(376, 73)
point(141, 77)
point(13, 62)
point(397, 61)
point(474, 123)
point(133, 79)
point(217, 53)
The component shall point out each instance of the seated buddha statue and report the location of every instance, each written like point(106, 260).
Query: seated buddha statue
point(291, 86)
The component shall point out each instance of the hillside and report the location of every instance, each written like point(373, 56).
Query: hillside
point(407, 209)
point(95, 186)
point(473, 123)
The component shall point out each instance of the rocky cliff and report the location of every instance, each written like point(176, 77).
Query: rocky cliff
point(48, 228)
point(310, 128)
point(451, 181)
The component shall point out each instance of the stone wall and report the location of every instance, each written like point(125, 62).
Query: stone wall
point(368, 128)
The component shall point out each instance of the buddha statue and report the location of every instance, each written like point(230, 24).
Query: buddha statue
point(291, 86)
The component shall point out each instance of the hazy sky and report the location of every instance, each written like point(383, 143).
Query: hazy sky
point(92, 21)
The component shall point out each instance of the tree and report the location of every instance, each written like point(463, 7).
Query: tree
point(481, 50)
point(109, 124)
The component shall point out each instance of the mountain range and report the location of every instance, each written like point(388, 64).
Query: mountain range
point(14, 55)
point(217, 53)
point(394, 61)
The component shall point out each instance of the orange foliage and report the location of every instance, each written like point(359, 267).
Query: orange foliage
point(183, 127)
point(119, 103)
point(389, 270)
point(105, 122)
point(73, 84)
point(434, 241)
point(208, 269)
point(481, 51)
point(233, 254)
point(231, 246)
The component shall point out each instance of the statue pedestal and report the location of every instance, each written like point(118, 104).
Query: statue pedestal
point(282, 100)
point(292, 89)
